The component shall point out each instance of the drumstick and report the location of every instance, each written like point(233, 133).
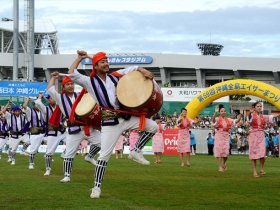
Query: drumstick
point(43, 96)
point(60, 74)
point(80, 52)
point(13, 103)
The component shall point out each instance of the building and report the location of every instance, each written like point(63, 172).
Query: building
point(177, 70)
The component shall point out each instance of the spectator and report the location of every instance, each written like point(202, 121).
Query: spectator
point(271, 145)
point(239, 143)
point(230, 145)
point(169, 122)
point(193, 143)
point(267, 144)
point(210, 143)
point(175, 114)
point(275, 145)
point(244, 144)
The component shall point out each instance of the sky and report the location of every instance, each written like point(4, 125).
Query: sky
point(246, 28)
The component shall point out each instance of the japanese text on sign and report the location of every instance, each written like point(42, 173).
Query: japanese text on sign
point(22, 88)
point(237, 86)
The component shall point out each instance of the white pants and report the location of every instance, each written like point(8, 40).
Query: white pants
point(111, 134)
point(2, 142)
point(26, 139)
point(15, 142)
point(73, 141)
point(53, 141)
point(45, 139)
point(9, 141)
point(35, 141)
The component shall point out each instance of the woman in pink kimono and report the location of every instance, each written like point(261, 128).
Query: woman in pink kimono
point(158, 142)
point(133, 137)
point(184, 145)
point(257, 122)
point(119, 147)
point(223, 125)
point(84, 144)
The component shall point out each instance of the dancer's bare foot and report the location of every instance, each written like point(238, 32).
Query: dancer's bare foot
point(262, 172)
point(225, 167)
point(221, 169)
point(256, 175)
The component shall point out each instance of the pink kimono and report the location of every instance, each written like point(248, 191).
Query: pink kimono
point(133, 137)
point(184, 144)
point(84, 144)
point(158, 142)
point(221, 144)
point(256, 137)
point(119, 144)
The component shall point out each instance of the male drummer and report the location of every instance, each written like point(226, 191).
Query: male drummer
point(102, 87)
point(54, 134)
point(17, 132)
point(4, 127)
point(36, 130)
point(75, 132)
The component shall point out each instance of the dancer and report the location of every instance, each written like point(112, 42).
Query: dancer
point(119, 147)
point(18, 130)
point(37, 130)
point(54, 134)
point(256, 141)
point(223, 124)
point(76, 132)
point(184, 124)
point(158, 142)
point(102, 87)
point(3, 133)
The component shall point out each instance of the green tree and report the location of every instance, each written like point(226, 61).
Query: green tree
point(239, 97)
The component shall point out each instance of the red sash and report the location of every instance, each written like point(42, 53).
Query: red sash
point(221, 125)
point(255, 123)
point(160, 127)
point(185, 123)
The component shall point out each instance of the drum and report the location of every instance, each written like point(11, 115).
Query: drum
point(89, 111)
point(137, 94)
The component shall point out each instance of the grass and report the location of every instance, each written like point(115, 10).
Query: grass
point(128, 185)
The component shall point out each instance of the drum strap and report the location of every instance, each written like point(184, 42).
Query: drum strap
point(142, 116)
point(67, 106)
point(52, 130)
point(101, 92)
point(114, 79)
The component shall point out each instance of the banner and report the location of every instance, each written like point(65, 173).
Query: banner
point(14, 88)
point(170, 137)
point(185, 94)
point(114, 60)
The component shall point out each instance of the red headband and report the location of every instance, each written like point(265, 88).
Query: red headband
point(66, 80)
point(98, 56)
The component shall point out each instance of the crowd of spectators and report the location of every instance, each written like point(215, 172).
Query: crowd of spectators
point(170, 120)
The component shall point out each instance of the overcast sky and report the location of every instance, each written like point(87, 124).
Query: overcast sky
point(246, 28)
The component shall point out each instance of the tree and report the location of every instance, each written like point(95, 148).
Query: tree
point(239, 97)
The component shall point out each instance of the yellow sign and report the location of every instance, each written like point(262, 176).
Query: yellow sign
point(262, 90)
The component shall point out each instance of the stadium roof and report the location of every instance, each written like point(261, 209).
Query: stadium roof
point(40, 26)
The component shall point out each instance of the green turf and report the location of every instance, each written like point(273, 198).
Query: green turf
point(128, 185)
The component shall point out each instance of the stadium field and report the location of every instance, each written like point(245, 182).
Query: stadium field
point(128, 185)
